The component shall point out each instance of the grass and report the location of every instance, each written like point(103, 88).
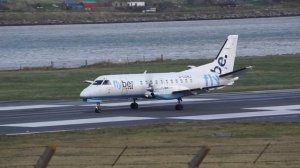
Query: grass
point(232, 145)
point(164, 145)
point(270, 72)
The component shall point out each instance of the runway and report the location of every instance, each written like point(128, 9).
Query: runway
point(25, 117)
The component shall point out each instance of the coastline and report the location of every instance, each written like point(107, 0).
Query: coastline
point(68, 18)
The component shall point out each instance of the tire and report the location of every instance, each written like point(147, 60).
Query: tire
point(134, 106)
point(97, 110)
point(179, 107)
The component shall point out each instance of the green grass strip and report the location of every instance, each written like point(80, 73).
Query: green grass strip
point(270, 72)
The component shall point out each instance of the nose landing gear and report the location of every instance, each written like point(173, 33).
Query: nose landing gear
point(98, 108)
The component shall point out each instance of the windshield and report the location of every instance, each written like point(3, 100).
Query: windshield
point(106, 82)
point(98, 82)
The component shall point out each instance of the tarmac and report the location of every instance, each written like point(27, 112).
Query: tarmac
point(38, 116)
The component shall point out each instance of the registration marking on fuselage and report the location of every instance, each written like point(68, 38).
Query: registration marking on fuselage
point(266, 111)
point(77, 121)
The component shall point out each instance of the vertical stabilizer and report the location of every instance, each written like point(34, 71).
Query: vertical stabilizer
point(224, 62)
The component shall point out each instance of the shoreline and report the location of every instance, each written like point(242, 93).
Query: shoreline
point(144, 21)
point(100, 18)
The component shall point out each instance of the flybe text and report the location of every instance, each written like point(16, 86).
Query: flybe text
point(221, 64)
point(211, 80)
point(123, 84)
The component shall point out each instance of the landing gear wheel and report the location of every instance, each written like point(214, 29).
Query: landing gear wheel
point(98, 108)
point(134, 106)
point(179, 107)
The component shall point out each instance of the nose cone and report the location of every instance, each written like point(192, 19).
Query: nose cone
point(91, 94)
point(84, 93)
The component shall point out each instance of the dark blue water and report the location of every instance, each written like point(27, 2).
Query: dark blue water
point(71, 45)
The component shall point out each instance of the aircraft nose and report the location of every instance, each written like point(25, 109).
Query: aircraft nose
point(84, 93)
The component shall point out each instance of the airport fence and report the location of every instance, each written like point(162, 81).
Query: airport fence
point(278, 154)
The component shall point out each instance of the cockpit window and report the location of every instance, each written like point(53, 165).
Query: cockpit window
point(98, 82)
point(106, 82)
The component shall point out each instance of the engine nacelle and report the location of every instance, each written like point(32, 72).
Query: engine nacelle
point(149, 95)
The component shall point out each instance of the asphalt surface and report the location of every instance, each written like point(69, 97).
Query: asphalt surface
point(23, 117)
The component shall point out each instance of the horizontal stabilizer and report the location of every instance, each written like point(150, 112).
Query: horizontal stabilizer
point(236, 73)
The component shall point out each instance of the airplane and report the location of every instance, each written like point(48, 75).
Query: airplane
point(173, 85)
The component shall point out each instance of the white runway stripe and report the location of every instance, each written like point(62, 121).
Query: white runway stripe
point(274, 111)
point(277, 108)
point(30, 107)
point(78, 121)
point(235, 115)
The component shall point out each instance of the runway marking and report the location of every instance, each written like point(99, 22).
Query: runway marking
point(272, 111)
point(30, 107)
point(148, 102)
point(77, 121)
point(277, 108)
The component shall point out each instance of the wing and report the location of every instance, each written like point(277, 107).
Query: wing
point(175, 91)
point(167, 92)
point(88, 81)
point(197, 90)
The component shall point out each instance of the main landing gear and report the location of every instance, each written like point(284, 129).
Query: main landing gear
point(98, 108)
point(134, 105)
point(179, 106)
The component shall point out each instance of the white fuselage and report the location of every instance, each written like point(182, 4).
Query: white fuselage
point(140, 85)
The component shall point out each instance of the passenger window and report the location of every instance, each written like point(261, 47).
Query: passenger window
point(191, 80)
point(176, 80)
point(166, 81)
point(181, 81)
point(161, 81)
point(98, 82)
point(186, 81)
point(156, 82)
point(141, 82)
point(171, 81)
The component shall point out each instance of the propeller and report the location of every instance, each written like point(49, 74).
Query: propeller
point(150, 89)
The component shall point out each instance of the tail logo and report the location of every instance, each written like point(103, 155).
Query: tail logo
point(221, 63)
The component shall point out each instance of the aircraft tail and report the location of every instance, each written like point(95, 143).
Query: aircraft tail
point(224, 62)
